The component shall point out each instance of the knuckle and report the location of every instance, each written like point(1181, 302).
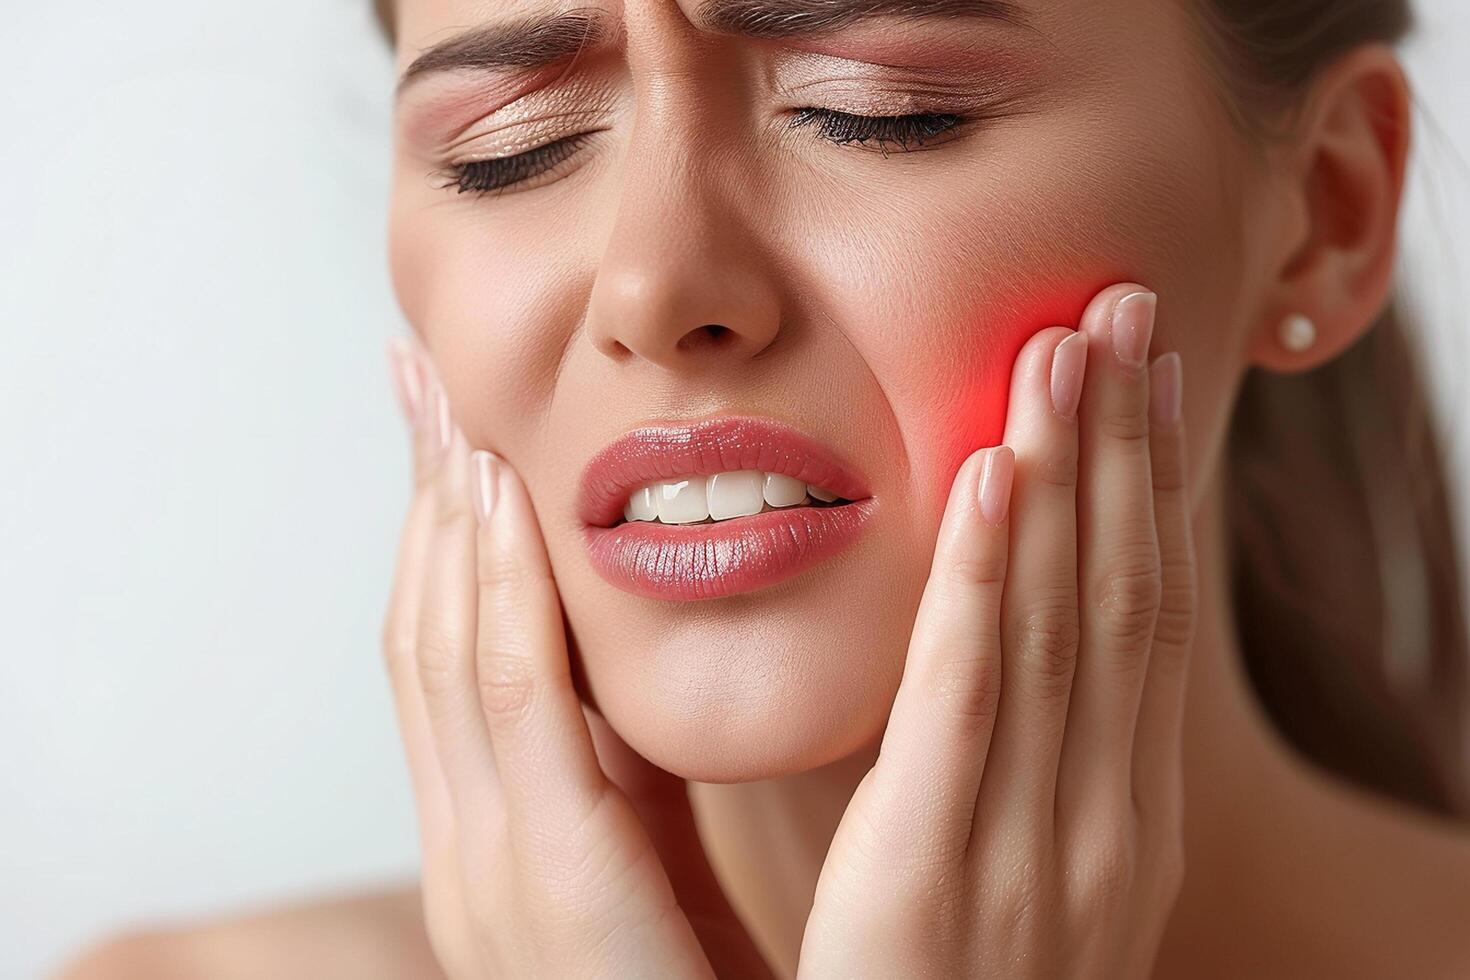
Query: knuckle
point(979, 570)
point(438, 654)
point(1176, 565)
point(1128, 603)
point(1046, 648)
point(1129, 430)
point(396, 639)
point(1057, 469)
point(503, 573)
point(1168, 470)
point(425, 468)
point(497, 570)
point(969, 684)
point(451, 509)
point(1102, 871)
point(507, 683)
point(1176, 617)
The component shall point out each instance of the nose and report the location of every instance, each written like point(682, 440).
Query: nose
point(684, 283)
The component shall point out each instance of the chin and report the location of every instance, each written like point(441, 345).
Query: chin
point(756, 686)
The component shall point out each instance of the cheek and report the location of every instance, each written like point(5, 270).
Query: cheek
point(940, 316)
point(941, 282)
point(484, 297)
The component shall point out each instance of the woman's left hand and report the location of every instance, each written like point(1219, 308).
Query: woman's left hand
point(1024, 817)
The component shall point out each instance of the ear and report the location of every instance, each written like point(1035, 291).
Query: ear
point(1346, 165)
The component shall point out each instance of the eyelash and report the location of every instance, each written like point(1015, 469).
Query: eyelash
point(844, 128)
point(480, 177)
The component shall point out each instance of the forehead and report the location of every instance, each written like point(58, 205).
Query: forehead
point(1110, 42)
point(762, 16)
point(427, 24)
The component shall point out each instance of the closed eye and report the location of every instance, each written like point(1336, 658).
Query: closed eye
point(907, 133)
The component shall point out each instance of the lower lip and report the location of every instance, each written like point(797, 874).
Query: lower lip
point(710, 561)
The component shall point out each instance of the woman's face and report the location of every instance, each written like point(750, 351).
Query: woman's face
point(869, 295)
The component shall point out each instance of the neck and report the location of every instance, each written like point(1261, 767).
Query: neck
point(1232, 752)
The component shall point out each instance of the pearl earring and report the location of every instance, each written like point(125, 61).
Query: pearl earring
point(1298, 333)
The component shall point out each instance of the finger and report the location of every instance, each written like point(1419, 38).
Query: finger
point(660, 798)
point(1118, 555)
point(400, 626)
point(548, 766)
point(407, 378)
point(661, 801)
point(938, 737)
point(1040, 618)
point(447, 626)
point(1157, 744)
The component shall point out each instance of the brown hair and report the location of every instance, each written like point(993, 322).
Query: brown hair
point(1345, 570)
point(1346, 582)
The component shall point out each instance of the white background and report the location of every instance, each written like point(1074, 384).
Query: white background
point(202, 472)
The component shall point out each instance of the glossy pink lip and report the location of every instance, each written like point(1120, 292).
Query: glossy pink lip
point(705, 561)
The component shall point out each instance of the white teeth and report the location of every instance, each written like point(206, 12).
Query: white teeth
point(642, 506)
point(783, 491)
point(684, 502)
point(721, 497)
point(735, 494)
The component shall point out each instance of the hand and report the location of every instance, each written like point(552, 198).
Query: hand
point(1023, 819)
point(550, 849)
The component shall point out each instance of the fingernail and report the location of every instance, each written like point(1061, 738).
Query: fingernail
point(486, 469)
point(1068, 367)
point(1133, 327)
point(1166, 391)
point(423, 419)
point(403, 371)
point(443, 425)
point(995, 484)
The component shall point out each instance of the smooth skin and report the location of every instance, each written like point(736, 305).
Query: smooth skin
point(558, 317)
point(1023, 818)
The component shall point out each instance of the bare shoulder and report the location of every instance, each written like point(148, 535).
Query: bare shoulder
point(361, 936)
point(1413, 891)
point(1353, 885)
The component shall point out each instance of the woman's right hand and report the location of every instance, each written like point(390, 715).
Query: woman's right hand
point(550, 848)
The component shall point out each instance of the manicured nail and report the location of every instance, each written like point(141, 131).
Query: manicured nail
point(407, 385)
point(1166, 391)
point(424, 418)
point(1068, 367)
point(1133, 327)
point(995, 484)
point(486, 469)
point(434, 419)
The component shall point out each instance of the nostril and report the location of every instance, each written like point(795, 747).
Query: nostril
point(711, 334)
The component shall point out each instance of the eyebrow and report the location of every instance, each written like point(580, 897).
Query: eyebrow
point(539, 40)
point(528, 42)
point(800, 18)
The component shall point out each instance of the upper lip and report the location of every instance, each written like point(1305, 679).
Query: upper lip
point(718, 445)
